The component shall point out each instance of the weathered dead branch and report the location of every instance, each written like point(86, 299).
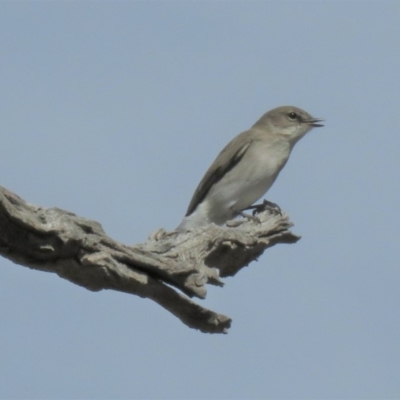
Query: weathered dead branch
point(78, 250)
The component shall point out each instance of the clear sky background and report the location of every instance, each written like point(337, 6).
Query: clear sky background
point(114, 111)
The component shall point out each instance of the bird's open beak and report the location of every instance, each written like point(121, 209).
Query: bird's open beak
point(314, 122)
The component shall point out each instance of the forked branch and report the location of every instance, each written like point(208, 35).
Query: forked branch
point(79, 250)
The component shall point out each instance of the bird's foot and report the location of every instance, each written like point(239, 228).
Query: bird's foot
point(250, 217)
point(265, 205)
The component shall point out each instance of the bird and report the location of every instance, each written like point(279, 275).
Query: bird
point(247, 167)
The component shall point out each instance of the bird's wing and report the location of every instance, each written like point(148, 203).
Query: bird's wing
point(232, 153)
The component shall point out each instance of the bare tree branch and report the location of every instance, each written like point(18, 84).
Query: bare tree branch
point(79, 250)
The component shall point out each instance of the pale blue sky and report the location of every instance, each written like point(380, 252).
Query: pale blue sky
point(114, 110)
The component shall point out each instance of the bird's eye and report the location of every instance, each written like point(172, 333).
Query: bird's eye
point(292, 116)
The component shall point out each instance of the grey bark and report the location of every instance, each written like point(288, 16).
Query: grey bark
point(168, 268)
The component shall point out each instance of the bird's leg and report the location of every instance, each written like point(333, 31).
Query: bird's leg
point(250, 217)
point(265, 205)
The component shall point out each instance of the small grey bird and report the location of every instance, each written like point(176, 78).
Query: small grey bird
point(247, 167)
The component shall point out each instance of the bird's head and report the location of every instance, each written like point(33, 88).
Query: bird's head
point(290, 122)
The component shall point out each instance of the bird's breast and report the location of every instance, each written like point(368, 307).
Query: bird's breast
point(252, 176)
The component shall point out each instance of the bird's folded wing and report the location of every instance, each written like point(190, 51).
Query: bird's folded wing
point(226, 160)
